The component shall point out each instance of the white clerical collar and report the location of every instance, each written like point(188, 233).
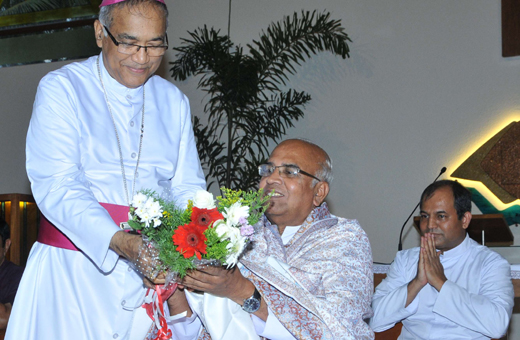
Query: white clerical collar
point(288, 233)
point(458, 250)
point(114, 87)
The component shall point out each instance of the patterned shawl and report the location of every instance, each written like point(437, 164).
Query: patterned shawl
point(330, 262)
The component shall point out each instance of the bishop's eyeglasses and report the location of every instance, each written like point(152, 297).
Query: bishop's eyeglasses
point(285, 171)
point(125, 48)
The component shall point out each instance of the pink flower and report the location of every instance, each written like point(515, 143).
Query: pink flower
point(247, 230)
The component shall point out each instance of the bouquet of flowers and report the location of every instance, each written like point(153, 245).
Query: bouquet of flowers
point(208, 229)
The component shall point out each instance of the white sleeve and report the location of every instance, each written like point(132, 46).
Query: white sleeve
point(487, 312)
point(272, 328)
point(58, 182)
point(183, 327)
point(390, 297)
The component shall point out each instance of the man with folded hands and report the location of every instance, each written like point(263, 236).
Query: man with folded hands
point(308, 274)
point(450, 287)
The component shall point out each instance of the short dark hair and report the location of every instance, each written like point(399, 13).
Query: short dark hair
point(461, 195)
point(5, 233)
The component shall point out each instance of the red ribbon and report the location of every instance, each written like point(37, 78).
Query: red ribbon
point(155, 309)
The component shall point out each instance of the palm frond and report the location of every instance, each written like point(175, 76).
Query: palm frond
point(246, 110)
point(290, 42)
point(203, 52)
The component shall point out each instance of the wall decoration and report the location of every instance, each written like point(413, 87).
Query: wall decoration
point(496, 164)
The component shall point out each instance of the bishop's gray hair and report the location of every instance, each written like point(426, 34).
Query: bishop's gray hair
point(106, 12)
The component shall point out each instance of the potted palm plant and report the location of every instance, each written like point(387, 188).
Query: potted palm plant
point(250, 104)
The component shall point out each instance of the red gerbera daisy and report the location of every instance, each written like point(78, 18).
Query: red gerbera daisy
point(190, 240)
point(204, 217)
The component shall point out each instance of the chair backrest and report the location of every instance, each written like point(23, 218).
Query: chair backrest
point(390, 334)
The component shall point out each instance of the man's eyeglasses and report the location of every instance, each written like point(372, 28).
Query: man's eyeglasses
point(286, 171)
point(153, 51)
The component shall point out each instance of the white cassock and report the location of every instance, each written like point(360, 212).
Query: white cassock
point(73, 163)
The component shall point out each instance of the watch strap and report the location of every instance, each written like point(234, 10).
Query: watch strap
point(256, 295)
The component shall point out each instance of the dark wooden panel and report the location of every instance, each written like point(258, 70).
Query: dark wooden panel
point(510, 28)
point(22, 215)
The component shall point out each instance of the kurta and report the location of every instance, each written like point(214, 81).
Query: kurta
point(475, 303)
point(317, 286)
point(73, 163)
point(329, 262)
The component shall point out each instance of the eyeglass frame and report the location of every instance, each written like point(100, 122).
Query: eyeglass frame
point(300, 171)
point(117, 43)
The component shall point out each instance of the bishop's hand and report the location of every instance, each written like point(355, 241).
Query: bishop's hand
point(142, 255)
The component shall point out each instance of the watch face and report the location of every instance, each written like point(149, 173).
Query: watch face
point(251, 305)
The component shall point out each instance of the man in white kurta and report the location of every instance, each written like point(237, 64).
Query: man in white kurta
point(474, 298)
point(311, 270)
point(73, 164)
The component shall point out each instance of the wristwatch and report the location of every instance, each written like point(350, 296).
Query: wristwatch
point(252, 304)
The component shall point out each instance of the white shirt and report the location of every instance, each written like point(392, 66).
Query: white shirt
point(73, 163)
point(475, 303)
point(288, 233)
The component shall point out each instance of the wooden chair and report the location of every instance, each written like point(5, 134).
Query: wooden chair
point(390, 334)
point(394, 332)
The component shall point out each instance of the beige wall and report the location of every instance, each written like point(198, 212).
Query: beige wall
point(425, 83)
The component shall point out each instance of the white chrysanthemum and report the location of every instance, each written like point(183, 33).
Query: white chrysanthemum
point(140, 211)
point(203, 200)
point(234, 212)
point(235, 248)
point(138, 200)
point(146, 218)
point(233, 234)
point(237, 242)
point(223, 229)
point(155, 209)
point(156, 222)
point(149, 203)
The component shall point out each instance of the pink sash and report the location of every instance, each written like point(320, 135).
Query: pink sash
point(52, 236)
